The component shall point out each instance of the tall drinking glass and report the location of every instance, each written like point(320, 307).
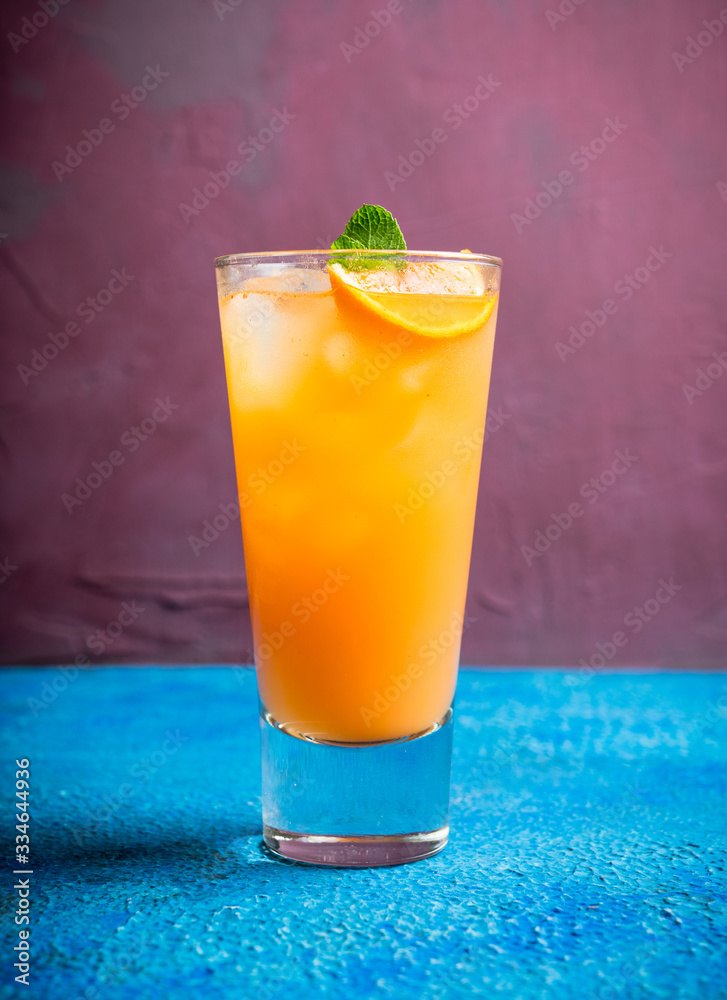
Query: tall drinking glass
point(357, 386)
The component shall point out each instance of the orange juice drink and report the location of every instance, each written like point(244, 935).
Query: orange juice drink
point(358, 394)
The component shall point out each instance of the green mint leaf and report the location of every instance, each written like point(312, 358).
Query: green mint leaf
point(371, 228)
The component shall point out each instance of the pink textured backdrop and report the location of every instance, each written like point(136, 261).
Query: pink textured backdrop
point(317, 122)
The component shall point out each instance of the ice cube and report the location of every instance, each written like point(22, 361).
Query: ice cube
point(261, 370)
point(245, 314)
point(283, 278)
point(414, 378)
point(340, 352)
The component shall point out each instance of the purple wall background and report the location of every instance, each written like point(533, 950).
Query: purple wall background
point(661, 183)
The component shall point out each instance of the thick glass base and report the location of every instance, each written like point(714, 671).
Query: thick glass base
point(356, 805)
point(355, 852)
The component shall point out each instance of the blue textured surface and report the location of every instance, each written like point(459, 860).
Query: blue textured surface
point(587, 857)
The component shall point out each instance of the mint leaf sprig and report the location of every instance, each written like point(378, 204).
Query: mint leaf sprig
point(371, 227)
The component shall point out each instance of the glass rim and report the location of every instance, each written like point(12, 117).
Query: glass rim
point(472, 258)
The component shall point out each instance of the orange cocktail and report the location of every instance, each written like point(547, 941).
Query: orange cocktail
point(358, 394)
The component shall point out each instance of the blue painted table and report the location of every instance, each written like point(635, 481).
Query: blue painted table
point(587, 857)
